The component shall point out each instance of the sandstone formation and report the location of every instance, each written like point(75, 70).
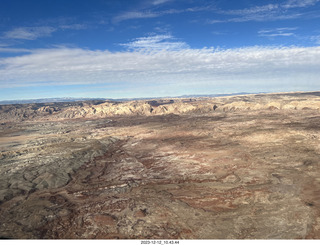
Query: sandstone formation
point(241, 167)
point(102, 109)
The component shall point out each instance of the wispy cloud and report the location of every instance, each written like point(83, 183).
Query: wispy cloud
point(157, 2)
point(252, 10)
point(315, 39)
point(268, 12)
point(135, 15)
point(155, 43)
point(36, 32)
point(6, 48)
point(29, 33)
point(14, 50)
point(260, 17)
point(278, 32)
point(73, 27)
point(152, 13)
point(300, 3)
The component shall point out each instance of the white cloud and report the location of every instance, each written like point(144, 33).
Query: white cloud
point(155, 43)
point(278, 32)
point(150, 13)
point(135, 15)
point(5, 48)
point(271, 8)
point(35, 32)
point(73, 27)
point(157, 2)
point(315, 39)
point(253, 10)
point(14, 50)
point(260, 17)
point(268, 12)
point(300, 3)
point(29, 33)
point(176, 71)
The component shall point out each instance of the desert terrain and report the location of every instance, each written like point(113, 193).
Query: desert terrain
point(234, 167)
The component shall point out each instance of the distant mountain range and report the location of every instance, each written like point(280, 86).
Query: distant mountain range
point(68, 99)
point(46, 100)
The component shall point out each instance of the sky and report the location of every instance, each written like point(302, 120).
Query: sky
point(157, 48)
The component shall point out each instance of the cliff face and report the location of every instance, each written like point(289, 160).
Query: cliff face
point(290, 101)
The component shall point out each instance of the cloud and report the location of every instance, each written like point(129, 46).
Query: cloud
point(29, 33)
point(277, 32)
point(134, 15)
point(268, 12)
point(73, 27)
point(175, 71)
point(14, 50)
point(299, 3)
point(253, 10)
point(5, 48)
point(152, 13)
point(260, 17)
point(155, 43)
point(315, 39)
point(35, 32)
point(157, 2)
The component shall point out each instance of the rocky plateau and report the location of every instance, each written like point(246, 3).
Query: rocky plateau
point(234, 167)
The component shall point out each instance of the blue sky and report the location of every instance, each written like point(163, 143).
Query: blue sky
point(151, 48)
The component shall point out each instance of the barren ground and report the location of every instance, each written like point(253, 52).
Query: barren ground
point(206, 174)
